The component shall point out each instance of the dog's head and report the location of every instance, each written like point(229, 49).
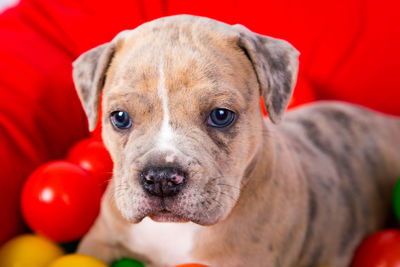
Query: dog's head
point(181, 115)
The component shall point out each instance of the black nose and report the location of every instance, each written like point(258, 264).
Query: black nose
point(162, 181)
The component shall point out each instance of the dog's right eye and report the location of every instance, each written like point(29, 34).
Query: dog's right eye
point(121, 120)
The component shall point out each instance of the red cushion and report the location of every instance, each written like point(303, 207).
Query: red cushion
point(349, 52)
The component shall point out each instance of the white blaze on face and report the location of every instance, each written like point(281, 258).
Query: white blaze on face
point(165, 138)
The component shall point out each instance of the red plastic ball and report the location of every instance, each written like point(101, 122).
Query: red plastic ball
point(381, 249)
point(92, 156)
point(60, 201)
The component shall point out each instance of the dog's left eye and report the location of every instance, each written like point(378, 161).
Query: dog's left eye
point(120, 119)
point(221, 117)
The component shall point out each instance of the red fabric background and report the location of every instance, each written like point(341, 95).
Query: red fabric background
point(349, 51)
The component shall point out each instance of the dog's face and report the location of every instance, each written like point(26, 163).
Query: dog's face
point(181, 114)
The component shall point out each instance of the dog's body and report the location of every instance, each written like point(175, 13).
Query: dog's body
point(303, 193)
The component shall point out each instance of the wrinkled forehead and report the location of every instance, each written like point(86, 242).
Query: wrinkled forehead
point(187, 58)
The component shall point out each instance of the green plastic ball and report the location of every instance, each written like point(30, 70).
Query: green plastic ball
point(396, 200)
point(127, 262)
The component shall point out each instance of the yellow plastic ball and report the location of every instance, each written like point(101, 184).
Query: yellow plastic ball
point(29, 250)
point(73, 260)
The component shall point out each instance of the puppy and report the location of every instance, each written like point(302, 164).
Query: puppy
point(199, 174)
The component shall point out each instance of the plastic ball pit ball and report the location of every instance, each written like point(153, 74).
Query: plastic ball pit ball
point(93, 157)
point(29, 250)
point(77, 260)
point(60, 201)
point(396, 200)
point(127, 262)
point(381, 249)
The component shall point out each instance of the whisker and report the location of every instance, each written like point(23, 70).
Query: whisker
point(231, 186)
point(220, 204)
point(216, 201)
point(224, 194)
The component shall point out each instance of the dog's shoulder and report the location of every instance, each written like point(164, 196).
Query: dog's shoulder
point(330, 111)
point(329, 128)
point(330, 118)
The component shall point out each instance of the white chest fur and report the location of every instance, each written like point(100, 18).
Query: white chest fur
point(168, 244)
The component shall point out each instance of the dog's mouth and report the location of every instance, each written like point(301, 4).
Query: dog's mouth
point(167, 216)
point(189, 206)
point(167, 210)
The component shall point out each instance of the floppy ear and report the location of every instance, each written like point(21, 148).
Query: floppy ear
point(88, 73)
point(276, 63)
